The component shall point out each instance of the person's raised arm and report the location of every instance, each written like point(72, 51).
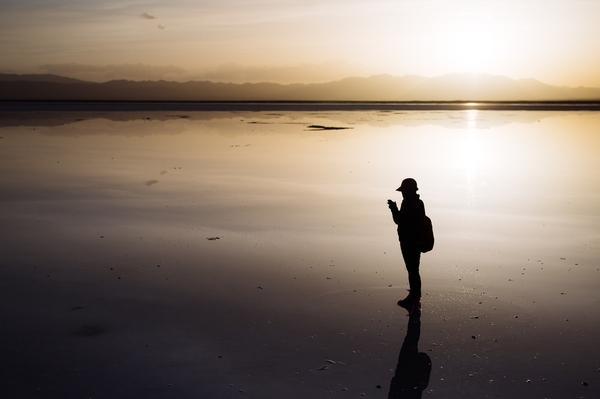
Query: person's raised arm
point(395, 212)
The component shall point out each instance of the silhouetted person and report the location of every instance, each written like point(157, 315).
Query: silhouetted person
point(410, 218)
point(414, 367)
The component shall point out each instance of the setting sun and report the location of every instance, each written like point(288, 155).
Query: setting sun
point(473, 48)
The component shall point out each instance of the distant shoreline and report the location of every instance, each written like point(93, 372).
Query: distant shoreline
point(19, 106)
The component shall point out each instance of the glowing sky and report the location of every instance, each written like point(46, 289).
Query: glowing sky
point(556, 41)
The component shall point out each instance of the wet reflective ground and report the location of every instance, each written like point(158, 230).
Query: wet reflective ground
point(245, 254)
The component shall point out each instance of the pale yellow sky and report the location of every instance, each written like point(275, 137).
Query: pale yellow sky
point(555, 41)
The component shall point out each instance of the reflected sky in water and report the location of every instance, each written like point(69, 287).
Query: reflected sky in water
point(111, 213)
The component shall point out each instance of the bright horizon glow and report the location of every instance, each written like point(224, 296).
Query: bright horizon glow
point(285, 41)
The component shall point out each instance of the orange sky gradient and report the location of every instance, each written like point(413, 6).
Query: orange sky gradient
point(555, 41)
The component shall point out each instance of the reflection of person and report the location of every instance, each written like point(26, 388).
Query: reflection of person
point(409, 219)
point(414, 367)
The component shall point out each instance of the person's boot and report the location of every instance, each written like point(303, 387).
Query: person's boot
point(404, 301)
point(409, 300)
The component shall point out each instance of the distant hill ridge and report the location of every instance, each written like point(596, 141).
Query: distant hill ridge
point(454, 87)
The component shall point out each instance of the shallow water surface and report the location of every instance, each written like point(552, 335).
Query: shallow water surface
point(245, 254)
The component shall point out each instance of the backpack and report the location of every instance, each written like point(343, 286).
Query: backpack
point(426, 239)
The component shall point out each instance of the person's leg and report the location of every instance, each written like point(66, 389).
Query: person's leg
point(412, 258)
point(414, 278)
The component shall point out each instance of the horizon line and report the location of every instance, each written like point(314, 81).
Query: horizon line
point(302, 105)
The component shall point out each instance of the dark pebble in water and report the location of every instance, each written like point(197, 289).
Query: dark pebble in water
point(259, 287)
point(584, 383)
point(150, 182)
point(378, 386)
point(321, 127)
point(474, 337)
point(213, 238)
point(77, 308)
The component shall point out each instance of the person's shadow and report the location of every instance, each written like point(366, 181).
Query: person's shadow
point(414, 367)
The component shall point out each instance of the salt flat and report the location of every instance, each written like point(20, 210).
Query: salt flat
point(244, 254)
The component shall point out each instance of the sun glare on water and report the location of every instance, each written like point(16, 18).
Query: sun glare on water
point(472, 156)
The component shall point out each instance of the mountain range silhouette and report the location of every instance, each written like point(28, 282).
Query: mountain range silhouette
point(453, 87)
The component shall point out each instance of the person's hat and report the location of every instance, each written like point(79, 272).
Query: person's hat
point(408, 184)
